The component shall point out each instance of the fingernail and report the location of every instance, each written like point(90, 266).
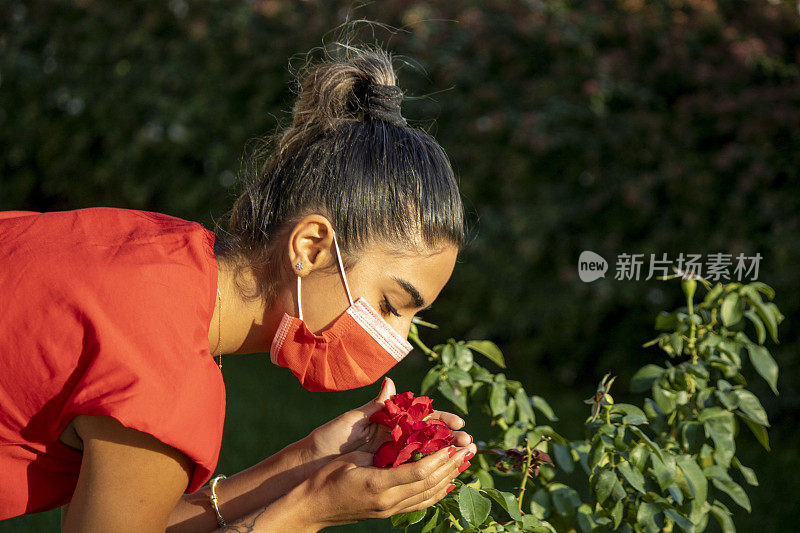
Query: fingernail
point(469, 456)
point(383, 384)
point(463, 467)
point(451, 451)
point(450, 487)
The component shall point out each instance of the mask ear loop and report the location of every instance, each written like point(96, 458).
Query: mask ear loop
point(341, 269)
point(299, 306)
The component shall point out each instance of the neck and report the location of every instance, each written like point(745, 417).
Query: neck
point(246, 326)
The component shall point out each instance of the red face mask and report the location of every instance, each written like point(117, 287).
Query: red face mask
point(357, 349)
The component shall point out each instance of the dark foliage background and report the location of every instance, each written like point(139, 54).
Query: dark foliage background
point(614, 126)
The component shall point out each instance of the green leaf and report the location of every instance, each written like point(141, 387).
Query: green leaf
point(666, 321)
point(474, 507)
point(430, 379)
point(698, 484)
point(748, 473)
point(512, 435)
point(627, 409)
point(541, 504)
point(644, 378)
point(732, 309)
point(455, 393)
point(676, 341)
point(664, 471)
point(682, 522)
point(507, 501)
point(758, 324)
point(645, 516)
point(758, 430)
point(497, 399)
point(459, 376)
point(632, 476)
point(634, 420)
point(723, 517)
point(563, 456)
point(616, 513)
point(432, 522)
point(764, 364)
point(449, 354)
point(604, 484)
point(649, 443)
point(542, 406)
point(403, 520)
point(751, 407)
point(490, 350)
point(665, 399)
point(768, 291)
point(692, 436)
point(766, 314)
point(565, 499)
point(586, 521)
point(732, 489)
point(524, 406)
point(463, 357)
point(720, 429)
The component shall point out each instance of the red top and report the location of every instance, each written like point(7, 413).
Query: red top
point(105, 311)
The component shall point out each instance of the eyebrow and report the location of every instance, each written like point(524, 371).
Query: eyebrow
point(416, 297)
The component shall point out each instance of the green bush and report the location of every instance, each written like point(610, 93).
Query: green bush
point(668, 464)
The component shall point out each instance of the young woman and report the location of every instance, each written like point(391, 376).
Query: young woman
point(110, 399)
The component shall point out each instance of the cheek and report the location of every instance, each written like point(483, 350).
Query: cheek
point(400, 324)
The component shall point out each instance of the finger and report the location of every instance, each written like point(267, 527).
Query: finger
point(425, 476)
point(387, 391)
point(453, 421)
point(431, 486)
point(414, 471)
point(426, 499)
point(461, 438)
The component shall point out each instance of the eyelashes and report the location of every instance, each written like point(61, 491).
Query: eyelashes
point(388, 308)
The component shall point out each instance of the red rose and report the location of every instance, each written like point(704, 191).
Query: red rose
point(403, 405)
point(432, 435)
point(411, 433)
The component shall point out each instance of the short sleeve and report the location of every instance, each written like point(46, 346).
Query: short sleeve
point(145, 305)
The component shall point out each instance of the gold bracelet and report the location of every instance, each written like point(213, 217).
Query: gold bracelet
point(220, 521)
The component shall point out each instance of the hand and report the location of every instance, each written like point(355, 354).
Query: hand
point(352, 431)
point(349, 489)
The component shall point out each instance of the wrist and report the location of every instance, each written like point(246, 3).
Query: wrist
point(299, 508)
point(310, 456)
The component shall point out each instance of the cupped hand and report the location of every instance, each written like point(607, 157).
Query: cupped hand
point(352, 431)
point(349, 489)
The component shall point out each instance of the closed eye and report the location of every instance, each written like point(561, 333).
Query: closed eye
point(389, 308)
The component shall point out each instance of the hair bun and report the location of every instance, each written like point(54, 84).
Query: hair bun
point(361, 86)
point(383, 103)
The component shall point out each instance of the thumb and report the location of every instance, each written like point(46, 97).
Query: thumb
point(387, 390)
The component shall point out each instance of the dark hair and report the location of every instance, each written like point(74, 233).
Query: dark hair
point(375, 178)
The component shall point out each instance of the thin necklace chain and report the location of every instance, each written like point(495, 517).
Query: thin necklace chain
point(219, 329)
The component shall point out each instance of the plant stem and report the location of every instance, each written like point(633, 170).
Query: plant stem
point(416, 340)
point(525, 469)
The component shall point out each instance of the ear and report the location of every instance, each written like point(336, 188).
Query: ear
point(310, 243)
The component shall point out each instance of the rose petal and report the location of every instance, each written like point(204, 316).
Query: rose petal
point(405, 453)
point(386, 454)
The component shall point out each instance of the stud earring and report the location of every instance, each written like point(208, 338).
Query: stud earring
point(299, 266)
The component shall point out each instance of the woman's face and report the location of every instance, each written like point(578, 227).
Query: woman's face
point(396, 284)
